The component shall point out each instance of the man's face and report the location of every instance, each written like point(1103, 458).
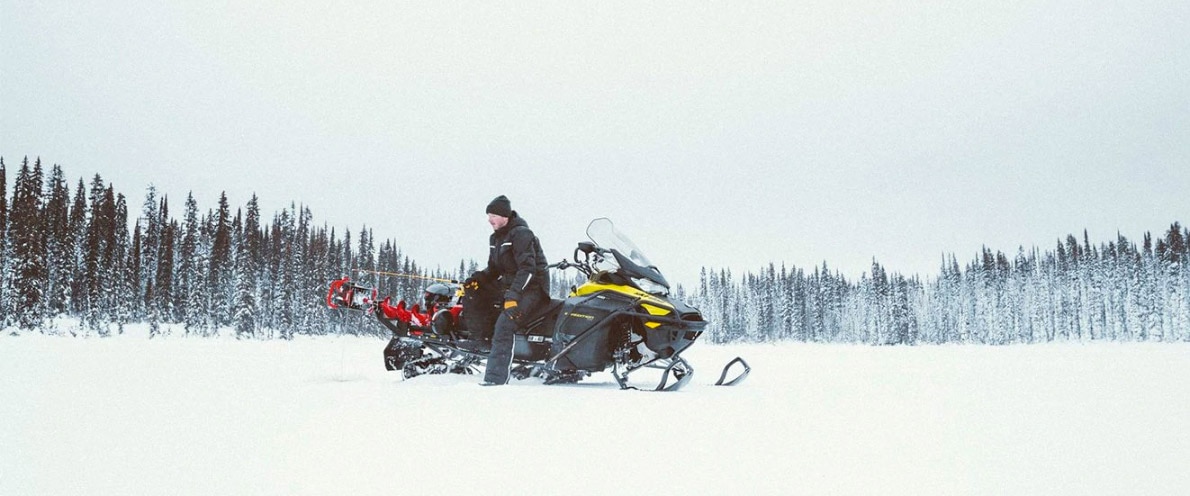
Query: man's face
point(497, 221)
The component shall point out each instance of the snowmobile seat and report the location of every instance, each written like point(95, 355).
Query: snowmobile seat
point(551, 308)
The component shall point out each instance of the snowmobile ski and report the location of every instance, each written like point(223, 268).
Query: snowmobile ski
point(739, 378)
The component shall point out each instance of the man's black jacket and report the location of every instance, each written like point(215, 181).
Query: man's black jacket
point(516, 258)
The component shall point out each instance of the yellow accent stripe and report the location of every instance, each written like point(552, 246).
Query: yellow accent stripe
point(592, 287)
point(654, 310)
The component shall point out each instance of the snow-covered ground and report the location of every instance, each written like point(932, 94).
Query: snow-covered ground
point(128, 415)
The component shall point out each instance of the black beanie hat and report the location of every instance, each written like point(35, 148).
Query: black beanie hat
point(500, 206)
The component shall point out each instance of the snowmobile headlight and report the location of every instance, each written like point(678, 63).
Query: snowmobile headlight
point(650, 286)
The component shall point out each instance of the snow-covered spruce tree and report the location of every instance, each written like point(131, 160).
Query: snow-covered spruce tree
point(319, 272)
point(221, 263)
point(78, 234)
point(303, 321)
point(164, 277)
point(123, 291)
point(349, 262)
point(366, 256)
point(1022, 274)
point(1173, 258)
point(283, 279)
point(58, 244)
point(306, 303)
point(27, 250)
point(338, 321)
point(346, 258)
point(245, 305)
point(188, 292)
point(136, 295)
point(244, 308)
point(905, 326)
point(387, 260)
point(109, 272)
point(93, 247)
point(1148, 312)
point(785, 306)
point(150, 219)
point(237, 239)
point(269, 277)
point(246, 273)
point(1128, 268)
point(406, 290)
point(264, 284)
point(1185, 293)
point(1126, 272)
point(711, 303)
point(205, 307)
point(5, 312)
point(835, 293)
point(800, 310)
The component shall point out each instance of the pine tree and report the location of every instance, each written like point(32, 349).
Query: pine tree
point(136, 293)
point(264, 284)
point(247, 256)
point(27, 250)
point(5, 312)
point(164, 277)
point(284, 278)
point(94, 271)
point(187, 292)
point(76, 265)
point(109, 272)
point(221, 264)
point(303, 272)
point(205, 304)
point(121, 292)
point(150, 218)
point(59, 244)
point(1175, 287)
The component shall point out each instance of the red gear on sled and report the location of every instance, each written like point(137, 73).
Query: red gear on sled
point(412, 316)
point(345, 294)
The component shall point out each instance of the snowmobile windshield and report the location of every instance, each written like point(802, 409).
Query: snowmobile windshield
point(626, 257)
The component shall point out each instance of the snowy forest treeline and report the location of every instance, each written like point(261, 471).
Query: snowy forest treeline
point(1116, 291)
point(74, 259)
point(86, 264)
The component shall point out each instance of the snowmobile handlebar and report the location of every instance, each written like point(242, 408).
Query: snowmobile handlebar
point(565, 264)
point(584, 266)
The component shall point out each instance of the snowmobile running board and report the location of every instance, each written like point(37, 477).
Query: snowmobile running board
point(738, 379)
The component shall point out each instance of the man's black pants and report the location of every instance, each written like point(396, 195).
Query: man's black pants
point(503, 338)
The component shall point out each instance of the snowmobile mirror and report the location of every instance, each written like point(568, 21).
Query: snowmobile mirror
point(586, 247)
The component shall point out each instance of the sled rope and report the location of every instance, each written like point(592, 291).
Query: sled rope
point(410, 276)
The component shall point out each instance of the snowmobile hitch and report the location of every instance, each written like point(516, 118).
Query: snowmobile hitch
point(738, 379)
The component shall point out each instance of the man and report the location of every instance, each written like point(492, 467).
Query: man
point(517, 263)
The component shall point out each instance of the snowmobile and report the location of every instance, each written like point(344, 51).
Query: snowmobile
point(622, 318)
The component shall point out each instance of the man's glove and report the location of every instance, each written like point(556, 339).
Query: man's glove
point(512, 310)
point(471, 284)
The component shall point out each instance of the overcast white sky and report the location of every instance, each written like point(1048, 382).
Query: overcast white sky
point(725, 134)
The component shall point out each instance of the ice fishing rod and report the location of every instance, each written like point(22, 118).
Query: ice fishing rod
point(410, 276)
